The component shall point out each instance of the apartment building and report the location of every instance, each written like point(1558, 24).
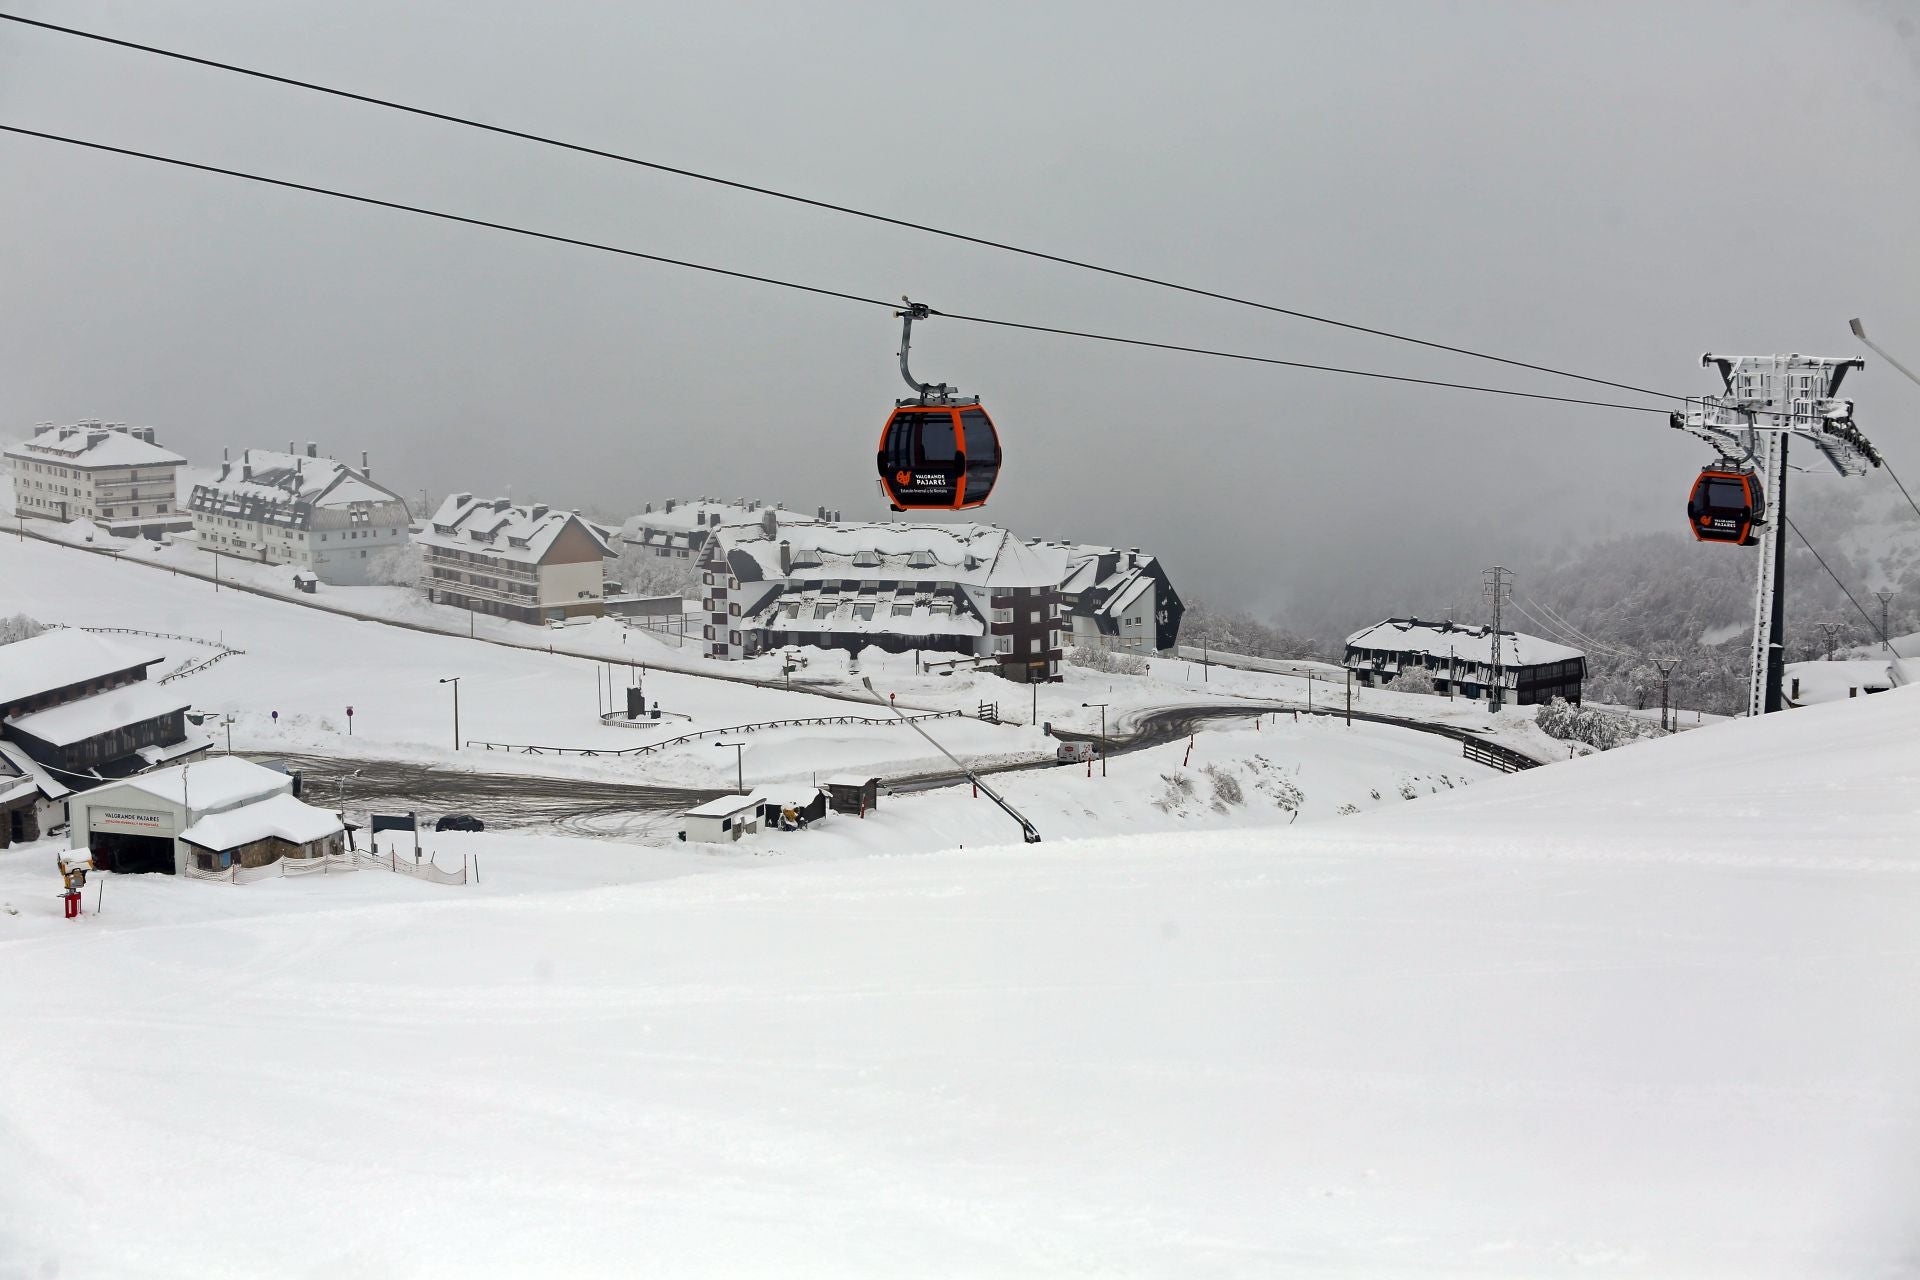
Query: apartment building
point(109, 473)
point(529, 563)
point(303, 510)
point(967, 589)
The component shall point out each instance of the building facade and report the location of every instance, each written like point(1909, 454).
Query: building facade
point(1460, 658)
point(1114, 599)
point(109, 473)
point(81, 707)
point(970, 590)
point(527, 563)
point(303, 510)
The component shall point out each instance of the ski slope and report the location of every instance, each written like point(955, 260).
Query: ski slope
point(1649, 1013)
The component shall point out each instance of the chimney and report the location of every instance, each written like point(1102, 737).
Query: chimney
point(768, 525)
point(786, 557)
point(313, 450)
point(246, 465)
point(669, 506)
point(225, 467)
point(292, 447)
point(539, 510)
point(366, 468)
point(820, 513)
point(649, 510)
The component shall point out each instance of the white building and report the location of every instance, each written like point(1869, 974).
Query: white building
point(968, 589)
point(111, 474)
point(1114, 599)
point(300, 509)
point(530, 563)
point(1459, 658)
point(212, 815)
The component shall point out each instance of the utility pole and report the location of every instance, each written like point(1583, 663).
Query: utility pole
point(739, 767)
point(1769, 401)
point(1832, 629)
point(1496, 586)
point(1103, 733)
point(1885, 597)
point(455, 682)
point(1349, 697)
point(1665, 666)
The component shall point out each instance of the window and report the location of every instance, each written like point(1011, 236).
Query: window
point(1003, 644)
point(938, 440)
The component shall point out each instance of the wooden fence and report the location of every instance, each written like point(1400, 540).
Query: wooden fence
point(1505, 759)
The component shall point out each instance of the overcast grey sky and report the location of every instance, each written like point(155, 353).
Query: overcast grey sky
point(1612, 187)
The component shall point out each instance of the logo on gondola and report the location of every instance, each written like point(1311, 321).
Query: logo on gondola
point(903, 478)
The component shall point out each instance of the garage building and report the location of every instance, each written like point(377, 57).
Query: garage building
point(210, 815)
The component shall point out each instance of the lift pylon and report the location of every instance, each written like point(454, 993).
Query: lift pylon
point(1769, 401)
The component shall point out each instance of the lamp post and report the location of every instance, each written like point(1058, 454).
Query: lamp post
point(1103, 733)
point(739, 768)
point(455, 682)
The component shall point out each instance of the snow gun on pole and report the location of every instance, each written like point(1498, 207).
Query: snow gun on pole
point(1027, 830)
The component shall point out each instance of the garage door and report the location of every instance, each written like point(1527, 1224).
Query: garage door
point(131, 854)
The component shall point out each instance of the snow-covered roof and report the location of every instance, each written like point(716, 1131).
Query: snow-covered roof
point(686, 522)
point(974, 554)
point(1123, 599)
point(211, 785)
point(21, 765)
point(286, 488)
point(1410, 635)
point(885, 613)
point(99, 713)
point(64, 656)
point(93, 444)
point(724, 806)
point(497, 528)
point(280, 815)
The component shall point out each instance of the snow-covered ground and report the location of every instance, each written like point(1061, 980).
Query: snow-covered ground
point(1647, 1013)
point(309, 666)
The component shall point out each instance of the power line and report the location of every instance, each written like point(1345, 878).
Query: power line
point(1871, 624)
point(577, 242)
point(1888, 468)
point(772, 193)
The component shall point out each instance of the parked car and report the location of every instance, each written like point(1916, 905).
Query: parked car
point(459, 822)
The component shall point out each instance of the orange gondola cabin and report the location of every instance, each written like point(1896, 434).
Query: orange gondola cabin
point(1727, 505)
point(938, 457)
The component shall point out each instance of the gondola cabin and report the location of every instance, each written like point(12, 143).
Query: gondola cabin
point(938, 457)
point(1727, 505)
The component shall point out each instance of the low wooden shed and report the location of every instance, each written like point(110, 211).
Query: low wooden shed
point(851, 793)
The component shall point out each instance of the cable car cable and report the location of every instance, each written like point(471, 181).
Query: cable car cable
point(1871, 624)
point(556, 238)
point(678, 171)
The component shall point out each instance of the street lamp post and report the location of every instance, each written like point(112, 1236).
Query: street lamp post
point(455, 682)
point(739, 768)
point(1103, 733)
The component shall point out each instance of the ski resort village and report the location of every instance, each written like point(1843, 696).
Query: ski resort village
point(538, 737)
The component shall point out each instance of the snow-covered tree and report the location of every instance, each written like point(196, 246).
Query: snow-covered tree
point(18, 627)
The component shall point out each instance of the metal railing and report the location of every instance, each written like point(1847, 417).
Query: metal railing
point(651, 747)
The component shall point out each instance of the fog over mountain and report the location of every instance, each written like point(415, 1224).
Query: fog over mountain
point(1612, 189)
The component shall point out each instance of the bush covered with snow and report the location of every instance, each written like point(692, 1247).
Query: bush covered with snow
point(1413, 680)
point(1601, 729)
point(395, 566)
point(18, 627)
point(1109, 661)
